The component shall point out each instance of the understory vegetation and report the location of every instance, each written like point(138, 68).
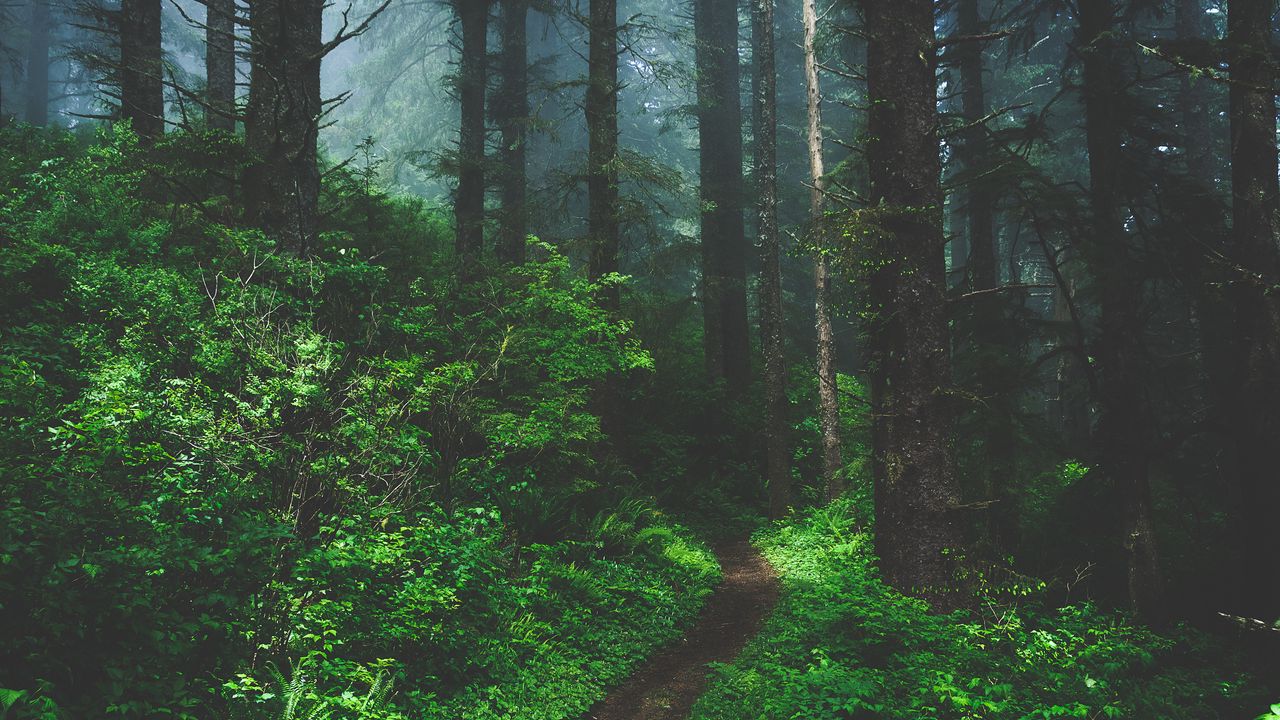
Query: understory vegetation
point(238, 484)
point(842, 644)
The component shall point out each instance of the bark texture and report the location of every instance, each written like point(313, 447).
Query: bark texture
point(724, 269)
point(468, 204)
point(1125, 423)
point(602, 144)
point(141, 68)
point(512, 109)
point(1255, 204)
point(282, 185)
point(916, 491)
point(765, 82)
point(220, 65)
point(828, 400)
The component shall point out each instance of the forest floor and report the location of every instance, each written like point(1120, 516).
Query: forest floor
point(666, 686)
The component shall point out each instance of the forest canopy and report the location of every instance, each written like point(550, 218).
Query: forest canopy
point(716, 359)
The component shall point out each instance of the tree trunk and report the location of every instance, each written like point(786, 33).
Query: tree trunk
point(1255, 203)
point(828, 400)
point(141, 68)
point(220, 65)
point(513, 120)
point(765, 123)
point(38, 64)
point(602, 144)
point(916, 495)
point(983, 323)
point(724, 271)
point(1125, 419)
point(468, 208)
point(282, 185)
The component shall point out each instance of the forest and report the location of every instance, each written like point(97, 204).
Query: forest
point(639, 359)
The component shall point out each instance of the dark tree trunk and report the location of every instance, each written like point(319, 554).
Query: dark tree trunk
point(828, 400)
point(980, 265)
point(282, 186)
point(512, 109)
point(220, 65)
point(468, 207)
point(1125, 418)
point(916, 495)
point(38, 64)
point(1255, 203)
point(602, 144)
point(983, 323)
point(724, 269)
point(141, 68)
point(765, 81)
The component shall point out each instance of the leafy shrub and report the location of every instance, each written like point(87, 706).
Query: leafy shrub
point(842, 644)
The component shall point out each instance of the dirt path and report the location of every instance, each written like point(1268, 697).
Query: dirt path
point(665, 687)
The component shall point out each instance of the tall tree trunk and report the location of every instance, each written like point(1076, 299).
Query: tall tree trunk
point(917, 493)
point(468, 207)
point(602, 144)
point(38, 64)
point(282, 185)
point(513, 120)
point(828, 400)
point(1255, 204)
point(765, 124)
point(724, 286)
point(1125, 422)
point(220, 65)
point(984, 319)
point(141, 68)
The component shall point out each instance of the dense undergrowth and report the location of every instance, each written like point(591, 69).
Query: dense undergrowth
point(844, 645)
point(238, 483)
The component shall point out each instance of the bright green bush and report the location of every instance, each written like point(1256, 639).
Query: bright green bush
point(235, 477)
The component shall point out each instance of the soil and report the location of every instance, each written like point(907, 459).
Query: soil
point(666, 686)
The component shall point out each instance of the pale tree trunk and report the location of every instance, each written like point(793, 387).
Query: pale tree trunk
point(141, 68)
point(468, 207)
point(724, 287)
point(513, 119)
point(220, 65)
point(917, 492)
point(777, 446)
point(602, 144)
point(828, 400)
point(1125, 423)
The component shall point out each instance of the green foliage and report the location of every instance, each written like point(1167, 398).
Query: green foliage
point(221, 459)
point(842, 644)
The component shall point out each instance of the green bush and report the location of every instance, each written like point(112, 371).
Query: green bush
point(842, 644)
point(222, 460)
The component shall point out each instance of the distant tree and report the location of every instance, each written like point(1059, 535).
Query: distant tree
point(511, 107)
point(220, 64)
point(37, 80)
point(916, 490)
point(471, 82)
point(141, 69)
point(601, 106)
point(765, 155)
point(724, 270)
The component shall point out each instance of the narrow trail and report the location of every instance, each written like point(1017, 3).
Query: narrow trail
point(666, 686)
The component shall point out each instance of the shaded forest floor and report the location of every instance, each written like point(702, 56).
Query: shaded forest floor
point(666, 687)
